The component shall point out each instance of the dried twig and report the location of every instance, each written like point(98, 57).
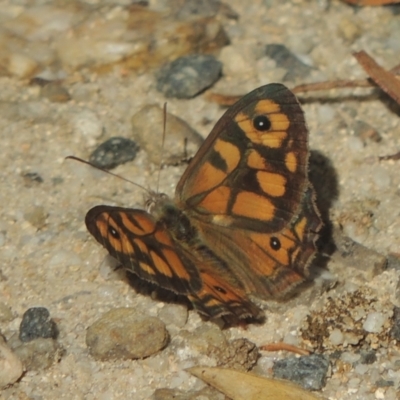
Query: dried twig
point(285, 346)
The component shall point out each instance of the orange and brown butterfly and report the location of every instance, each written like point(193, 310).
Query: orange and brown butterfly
point(243, 221)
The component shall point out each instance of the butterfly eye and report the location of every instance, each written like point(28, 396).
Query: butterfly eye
point(275, 243)
point(261, 123)
point(113, 232)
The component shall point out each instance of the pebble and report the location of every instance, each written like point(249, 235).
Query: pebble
point(31, 178)
point(395, 330)
point(36, 216)
point(366, 132)
point(181, 140)
point(367, 356)
point(174, 314)
point(123, 334)
point(239, 354)
point(336, 337)
point(188, 76)
point(307, 371)
point(11, 367)
point(21, 65)
point(36, 323)
point(55, 92)
point(38, 354)
point(284, 58)
point(113, 152)
point(6, 314)
point(374, 322)
point(87, 124)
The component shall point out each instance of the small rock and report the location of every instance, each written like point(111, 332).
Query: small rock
point(367, 356)
point(31, 178)
point(54, 92)
point(10, 365)
point(36, 216)
point(181, 140)
point(21, 65)
point(189, 75)
point(365, 132)
point(38, 354)
point(354, 255)
point(123, 334)
point(174, 314)
point(384, 383)
point(374, 322)
point(336, 337)
point(395, 330)
point(239, 354)
point(87, 124)
point(113, 152)
point(36, 323)
point(349, 30)
point(284, 58)
point(308, 371)
point(6, 314)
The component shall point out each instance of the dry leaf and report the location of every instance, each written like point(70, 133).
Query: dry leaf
point(246, 386)
point(385, 79)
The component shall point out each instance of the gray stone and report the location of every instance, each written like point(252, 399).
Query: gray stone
point(188, 76)
point(307, 371)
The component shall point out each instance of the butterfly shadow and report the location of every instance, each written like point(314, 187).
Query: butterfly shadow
point(324, 178)
point(157, 293)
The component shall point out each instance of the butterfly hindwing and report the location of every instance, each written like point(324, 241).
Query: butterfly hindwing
point(142, 246)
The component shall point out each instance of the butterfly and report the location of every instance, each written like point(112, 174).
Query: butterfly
point(243, 222)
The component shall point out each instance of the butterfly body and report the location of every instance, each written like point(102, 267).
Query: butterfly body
point(243, 220)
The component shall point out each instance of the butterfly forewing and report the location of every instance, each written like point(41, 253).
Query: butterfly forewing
point(143, 246)
point(251, 172)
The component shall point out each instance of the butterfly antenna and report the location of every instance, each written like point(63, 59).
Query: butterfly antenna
point(107, 172)
point(162, 145)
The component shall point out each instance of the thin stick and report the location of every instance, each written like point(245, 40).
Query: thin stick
point(285, 346)
point(162, 145)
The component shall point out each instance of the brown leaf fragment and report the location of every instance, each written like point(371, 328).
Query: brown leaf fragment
point(385, 79)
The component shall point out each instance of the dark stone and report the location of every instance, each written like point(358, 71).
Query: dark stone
point(113, 152)
point(188, 76)
point(285, 59)
point(367, 357)
point(395, 330)
point(383, 383)
point(36, 323)
point(307, 371)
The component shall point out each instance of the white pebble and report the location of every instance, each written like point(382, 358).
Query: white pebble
point(87, 124)
point(350, 357)
point(361, 369)
point(374, 322)
point(336, 337)
point(326, 114)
